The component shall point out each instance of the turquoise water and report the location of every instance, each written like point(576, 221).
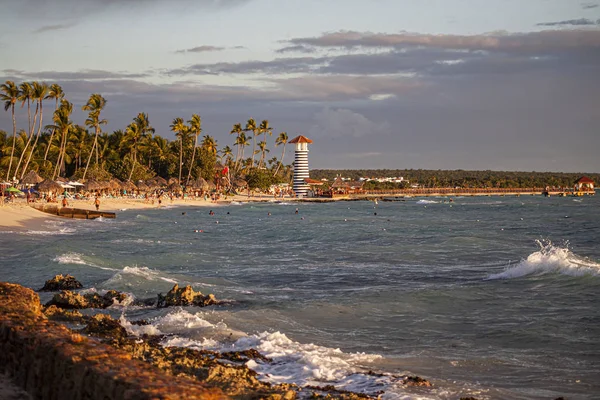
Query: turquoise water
point(493, 297)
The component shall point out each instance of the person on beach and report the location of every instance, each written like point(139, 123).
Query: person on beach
point(64, 201)
point(97, 203)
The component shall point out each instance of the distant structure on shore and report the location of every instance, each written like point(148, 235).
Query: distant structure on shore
point(301, 165)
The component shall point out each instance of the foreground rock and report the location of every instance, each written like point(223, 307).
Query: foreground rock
point(61, 282)
point(207, 366)
point(105, 326)
point(60, 314)
point(71, 300)
point(185, 297)
point(51, 362)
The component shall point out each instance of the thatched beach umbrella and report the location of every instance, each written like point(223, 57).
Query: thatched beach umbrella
point(239, 184)
point(115, 184)
point(174, 187)
point(129, 186)
point(103, 185)
point(60, 179)
point(160, 181)
point(32, 178)
point(142, 187)
point(49, 186)
point(199, 183)
point(91, 185)
point(172, 181)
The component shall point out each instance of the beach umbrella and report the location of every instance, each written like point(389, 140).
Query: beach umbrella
point(174, 187)
point(115, 184)
point(142, 187)
point(32, 178)
point(103, 185)
point(91, 185)
point(160, 181)
point(172, 181)
point(49, 186)
point(129, 186)
point(61, 179)
point(199, 183)
point(239, 183)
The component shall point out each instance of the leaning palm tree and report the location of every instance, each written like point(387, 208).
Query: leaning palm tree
point(282, 139)
point(251, 127)
point(95, 105)
point(263, 152)
point(9, 94)
point(180, 129)
point(195, 129)
point(237, 129)
point(26, 95)
point(226, 153)
point(63, 125)
point(40, 91)
point(57, 94)
point(242, 141)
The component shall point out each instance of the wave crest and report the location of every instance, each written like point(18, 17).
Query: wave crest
point(550, 259)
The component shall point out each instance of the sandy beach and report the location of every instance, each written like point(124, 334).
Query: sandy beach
point(19, 216)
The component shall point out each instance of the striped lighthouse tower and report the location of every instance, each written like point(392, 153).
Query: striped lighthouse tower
point(301, 165)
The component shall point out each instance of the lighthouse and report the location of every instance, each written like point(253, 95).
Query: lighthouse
point(301, 165)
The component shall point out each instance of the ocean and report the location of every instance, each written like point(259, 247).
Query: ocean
point(490, 297)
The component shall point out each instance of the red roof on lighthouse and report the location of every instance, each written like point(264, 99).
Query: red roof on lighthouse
point(300, 139)
point(584, 179)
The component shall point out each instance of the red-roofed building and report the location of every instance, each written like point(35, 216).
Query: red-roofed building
point(584, 184)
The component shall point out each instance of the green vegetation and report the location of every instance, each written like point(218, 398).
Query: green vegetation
point(457, 178)
point(64, 148)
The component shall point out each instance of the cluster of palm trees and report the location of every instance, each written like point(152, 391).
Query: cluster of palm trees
point(64, 148)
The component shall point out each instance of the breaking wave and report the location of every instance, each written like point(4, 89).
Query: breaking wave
point(142, 272)
point(550, 259)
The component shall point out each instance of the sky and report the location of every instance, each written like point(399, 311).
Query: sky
point(432, 84)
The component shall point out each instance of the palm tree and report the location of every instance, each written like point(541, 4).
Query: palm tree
point(264, 129)
point(9, 93)
point(281, 139)
point(226, 153)
point(26, 94)
point(237, 129)
point(251, 127)
point(63, 125)
point(210, 145)
point(180, 129)
point(40, 92)
point(95, 105)
point(195, 129)
point(57, 94)
point(263, 151)
point(242, 141)
point(134, 133)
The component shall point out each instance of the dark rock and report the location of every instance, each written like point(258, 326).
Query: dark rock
point(61, 314)
point(61, 282)
point(185, 297)
point(105, 326)
point(140, 322)
point(243, 356)
point(71, 300)
point(468, 398)
point(334, 393)
point(235, 380)
point(416, 381)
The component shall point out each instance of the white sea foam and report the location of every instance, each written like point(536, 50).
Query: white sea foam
point(71, 258)
point(61, 231)
point(427, 202)
point(550, 259)
point(142, 272)
point(77, 259)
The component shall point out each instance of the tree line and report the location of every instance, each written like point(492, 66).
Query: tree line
point(457, 178)
point(63, 148)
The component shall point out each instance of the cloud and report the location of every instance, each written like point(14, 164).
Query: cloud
point(201, 49)
point(70, 9)
point(56, 27)
point(337, 123)
point(207, 48)
point(507, 42)
point(588, 6)
point(574, 22)
point(276, 66)
point(85, 74)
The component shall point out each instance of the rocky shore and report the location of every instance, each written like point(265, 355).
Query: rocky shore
point(101, 360)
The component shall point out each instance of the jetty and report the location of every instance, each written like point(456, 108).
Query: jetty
point(70, 212)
